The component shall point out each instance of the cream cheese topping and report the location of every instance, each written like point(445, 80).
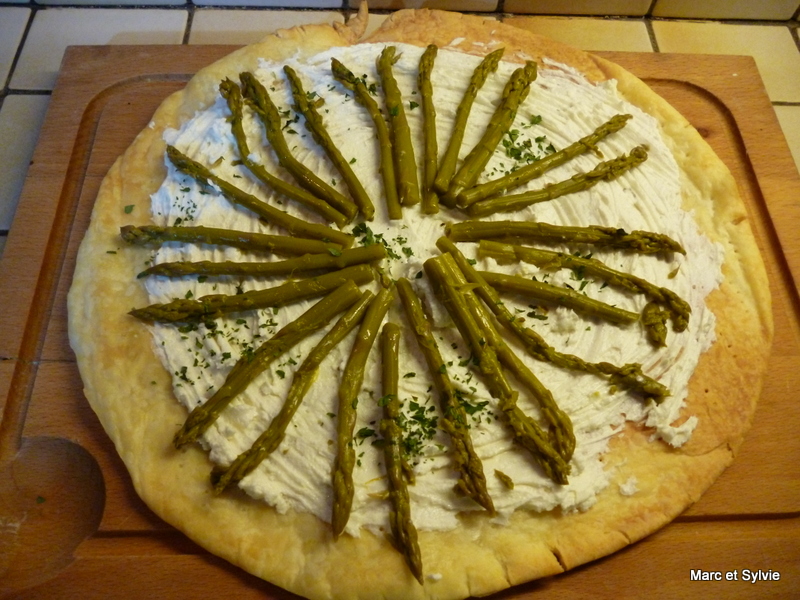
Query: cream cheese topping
point(297, 476)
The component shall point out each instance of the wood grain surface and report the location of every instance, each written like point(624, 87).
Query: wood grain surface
point(749, 519)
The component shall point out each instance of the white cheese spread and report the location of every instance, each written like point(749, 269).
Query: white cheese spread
point(560, 108)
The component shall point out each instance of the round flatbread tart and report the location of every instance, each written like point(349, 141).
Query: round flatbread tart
point(425, 314)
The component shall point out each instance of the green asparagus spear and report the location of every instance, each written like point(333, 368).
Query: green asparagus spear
point(525, 430)
point(248, 367)
point(237, 196)
point(405, 164)
point(430, 201)
point(349, 388)
point(654, 321)
point(679, 309)
point(629, 376)
point(471, 481)
point(233, 95)
point(561, 434)
point(514, 93)
point(605, 171)
point(307, 262)
point(283, 245)
point(403, 530)
point(643, 242)
point(316, 126)
point(207, 308)
point(540, 167)
point(363, 97)
point(258, 98)
point(303, 378)
point(557, 295)
point(447, 167)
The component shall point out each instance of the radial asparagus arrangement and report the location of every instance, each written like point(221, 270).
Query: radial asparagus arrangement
point(313, 260)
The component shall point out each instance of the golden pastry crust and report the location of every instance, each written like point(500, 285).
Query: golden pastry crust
point(131, 392)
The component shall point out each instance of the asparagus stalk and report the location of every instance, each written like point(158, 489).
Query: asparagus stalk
point(249, 367)
point(237, 196)
point(316, 126)
point(558, 295)
point(471, 481)
point(561, 434)
point(447, 167)
point(233, 95)
point(654, 321)
point(244, 240)
point(403, 530)
point(308, 262)
point(362, 95)
point(540, 167)
point(211, 307)
point(405, 164)
point(643, 242)
point(302, 381)
point(430, 201)
point(514, 93)
point(679, 309)
point(605, 171)
point(629, 376)
point(258, 98)
point(349, 388)
point(525, 430)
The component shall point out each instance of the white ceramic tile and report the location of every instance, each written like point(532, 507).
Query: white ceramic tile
point(111, 2)
point(12, 26)
point(578, 7)
point(772, 47)
point(459, 5)
point(589, 34)
point(789, 117)
point(273, 3)
point(211, 26)
point(21, 119)
point(779, 10)
point(54, 29)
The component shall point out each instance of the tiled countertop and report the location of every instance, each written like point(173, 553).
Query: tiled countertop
point(33, 36)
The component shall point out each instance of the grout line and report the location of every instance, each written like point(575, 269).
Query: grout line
point(785, 103)
point(189, 21)
point(795, 36)
point(18, 53)
point(651, 33)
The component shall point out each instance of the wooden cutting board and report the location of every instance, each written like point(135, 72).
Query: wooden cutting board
point(105, 95)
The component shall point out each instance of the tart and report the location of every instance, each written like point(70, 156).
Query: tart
point(447, 427)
